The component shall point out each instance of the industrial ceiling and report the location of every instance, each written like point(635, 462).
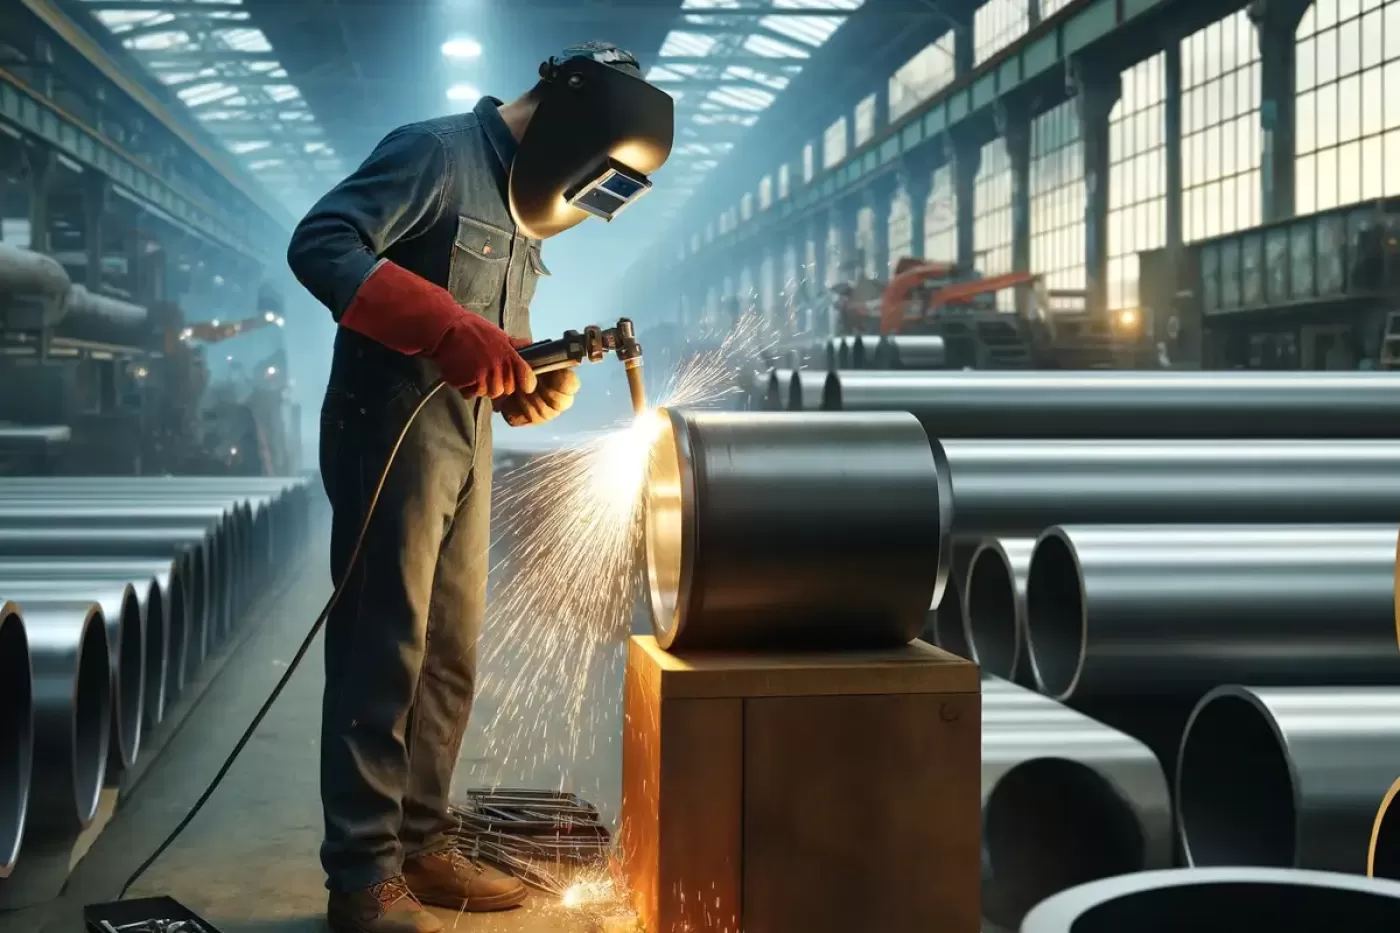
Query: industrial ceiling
point(299, 90)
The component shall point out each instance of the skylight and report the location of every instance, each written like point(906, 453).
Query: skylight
point(725, 70)
point(228, 75)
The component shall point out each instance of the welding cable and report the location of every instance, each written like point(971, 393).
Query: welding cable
point(297, 658)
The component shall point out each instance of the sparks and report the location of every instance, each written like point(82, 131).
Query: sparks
point(568, 582)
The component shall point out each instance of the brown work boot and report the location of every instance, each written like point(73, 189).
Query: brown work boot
point(450, 879)
point(386, 907)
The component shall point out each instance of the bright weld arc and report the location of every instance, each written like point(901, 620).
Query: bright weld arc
point(569, 527)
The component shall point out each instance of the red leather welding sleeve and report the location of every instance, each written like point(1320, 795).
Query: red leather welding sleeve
point(407, 313)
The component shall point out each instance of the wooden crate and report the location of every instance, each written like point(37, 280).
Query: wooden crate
point(802, 793)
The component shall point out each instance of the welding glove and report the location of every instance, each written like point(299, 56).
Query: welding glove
point(407, 313)
point(554, 394)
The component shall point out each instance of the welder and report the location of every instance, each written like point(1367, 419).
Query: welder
point(427, 256)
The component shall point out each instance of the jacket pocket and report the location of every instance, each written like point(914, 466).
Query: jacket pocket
point(480, 258)
point(533, 270)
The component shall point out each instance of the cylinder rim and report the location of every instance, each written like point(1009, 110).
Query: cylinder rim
point(1231, 730)
point(948, 626)
point(156, 655)
point(670, 567)
point(16, 734)
point(990, 595)
point(1057, 618)
point(92, 714)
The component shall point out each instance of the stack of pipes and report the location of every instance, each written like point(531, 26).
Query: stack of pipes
point(794, 378)
point(114, 593)
point(1181, 588)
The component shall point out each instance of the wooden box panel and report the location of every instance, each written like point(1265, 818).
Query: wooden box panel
point(815, 793)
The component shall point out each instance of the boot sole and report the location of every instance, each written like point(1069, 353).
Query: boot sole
point(478, 905)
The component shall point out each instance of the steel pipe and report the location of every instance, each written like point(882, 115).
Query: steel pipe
point(1128, 404)
point(160, 586)
point(16, 734)
point(948, 617)
point(81, 303)
point(804, 390)
point(24, 435)
point(913, 351)
point(1286, 777)
point(187, 546)
point(1383, 854)
point(126, 641)
point(1018, 489)
point(1177, 610)
point(812, 530)
point(832, 352)
point(1065, 800)
point(25, 272)
point(1248, 900)
point(776, 395)
point(863, 352)
point(756, 390)
point(72, 712)
point(845, 351)
point(994, 608)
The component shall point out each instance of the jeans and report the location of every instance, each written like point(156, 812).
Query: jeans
point(401, 643)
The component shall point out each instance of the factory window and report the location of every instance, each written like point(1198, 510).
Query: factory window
point(865, 242)
point(833, 256)
point(746, 293)
point(1220, 128)
point(1057, 201)
point(923, 76)
point(788, 290)
point(1049, 8)
point(941, 218)
point(865, 120)
point(901, 232)
point(995, 25)
point(1137, 177)
point(1348, 151)
point(809, 159)
point(782, 181)
point(991, 211)
point(746, 208)
point(765, 192)
point(834, 144)
point(766, 298)
point(810, 278)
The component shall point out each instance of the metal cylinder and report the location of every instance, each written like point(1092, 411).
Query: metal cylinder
point(776, 395)
point(1178, 610)
point(81, 303)
point(72, 711)
point(160, 588)
point(795, 530)
point(994, 608)
point(1286, 777)
point(1018, 489)
point(25, 272)
point(1065, 800)
point(1219, 899)
point(912, 351)
point(1130, 404)
point(863, 352)
point(126, 641)
point(187, 545)
point(844, 352)
point(1383, 854)
point(756, 390)
point(16, 734)
point(831, 351)
point(804, 392)
point(948, 632)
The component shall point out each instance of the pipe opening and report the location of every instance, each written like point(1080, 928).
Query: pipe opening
point(180, 609)
point(831, 392)
point(948, 626)
point(795, 401)
point(1235, 802)
point(199, 583)
point(1238, 905)
point(773, 399)
point(858, 353)
point(993, 633)
point(1383, 860)
point(130, 655)
point(156, 649)
point(92, 712)
point(1055, 624)
point(665, 533)
point(1048, 825)
point(16, 735)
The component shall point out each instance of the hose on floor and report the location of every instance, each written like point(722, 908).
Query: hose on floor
point(297, 658)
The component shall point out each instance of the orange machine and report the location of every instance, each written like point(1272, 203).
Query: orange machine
point(912, 274)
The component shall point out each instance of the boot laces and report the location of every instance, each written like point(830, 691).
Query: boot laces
point(390, 892)
point(460, 861)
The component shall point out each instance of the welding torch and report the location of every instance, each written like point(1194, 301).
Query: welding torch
point(590, 346)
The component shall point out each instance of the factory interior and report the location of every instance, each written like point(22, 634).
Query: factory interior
point(960, 493)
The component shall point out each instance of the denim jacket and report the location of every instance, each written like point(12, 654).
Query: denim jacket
point(432, 198)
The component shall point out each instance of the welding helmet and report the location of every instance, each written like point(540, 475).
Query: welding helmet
point(599, 130)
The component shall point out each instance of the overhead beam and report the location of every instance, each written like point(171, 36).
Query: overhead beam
point(585, 12)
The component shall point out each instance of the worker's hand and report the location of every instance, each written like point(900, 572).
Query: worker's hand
point(554, 394)
point(479, 359)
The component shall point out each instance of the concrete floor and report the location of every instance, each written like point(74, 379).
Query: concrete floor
point(248, 863)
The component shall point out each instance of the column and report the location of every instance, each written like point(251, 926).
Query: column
point(916, 177)
point(39, 164)
point(1015, 127)
point(966, 158)
point(1097, 90)
point(815, 274)
point(1186, 349)
point(94, 211)
point(880, 198)
point(1276, 25)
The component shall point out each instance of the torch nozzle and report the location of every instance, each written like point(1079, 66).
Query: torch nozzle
point(635, 385)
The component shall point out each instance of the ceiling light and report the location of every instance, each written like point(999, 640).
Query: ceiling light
point(461, 48)
point(463, 92)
